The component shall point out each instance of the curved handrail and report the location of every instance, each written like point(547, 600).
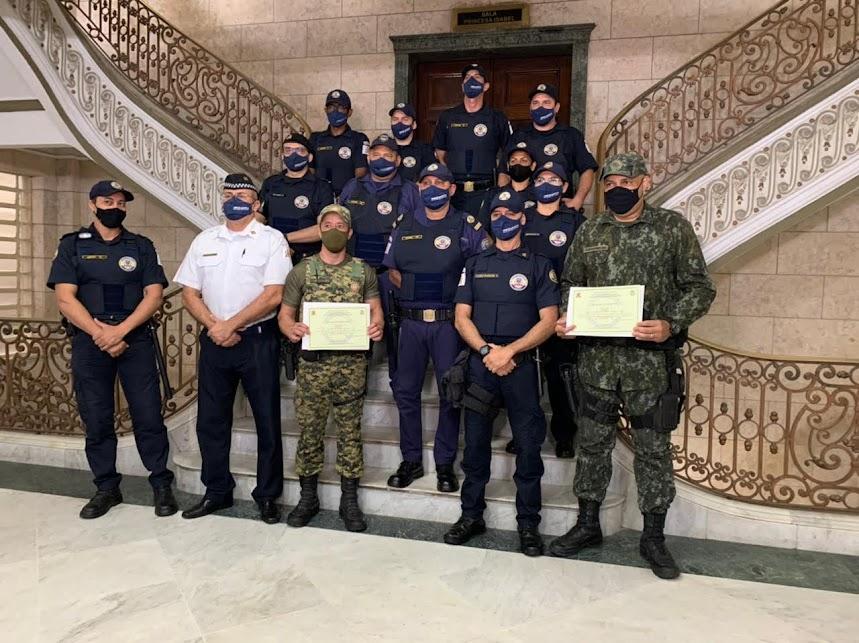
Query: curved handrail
point(756, 72)
point(36, 393)
point(195, 87)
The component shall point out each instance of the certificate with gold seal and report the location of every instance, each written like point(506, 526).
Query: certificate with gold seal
point(335, 327)
point(609, 311)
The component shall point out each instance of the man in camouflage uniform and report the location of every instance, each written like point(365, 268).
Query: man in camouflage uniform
point(633, 243)
point(330, 378)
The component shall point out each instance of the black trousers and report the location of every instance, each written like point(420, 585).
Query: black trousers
point(528, 424)
point(254, 362)
point(94, 375)
point(555, 352)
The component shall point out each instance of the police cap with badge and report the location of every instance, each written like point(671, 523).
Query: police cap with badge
point(109, 188)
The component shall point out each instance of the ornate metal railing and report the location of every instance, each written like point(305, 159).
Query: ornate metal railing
point(191, 84)
point(760, 69)
point(35, 372)
point(781, 432)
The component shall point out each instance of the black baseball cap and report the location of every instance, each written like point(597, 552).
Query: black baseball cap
point(544, 88)
point(474, 66)
point(295, 137)
point(239, 181)
point(385, 141)
point(521, 146)
point(340, 97)
point(406, 108)
point(438, 170)
point(108, 187)
point(555, 167)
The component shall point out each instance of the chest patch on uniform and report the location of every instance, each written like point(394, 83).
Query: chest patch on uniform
point(384, 207)
point(550, 149)
point(480, 129)
point(94, 257)
point(85, 235)
point(601, 247)
point(485, 243)
point(518, 282)
point(530, 204)
point(486, 275)
point(128, 264)
point(411, 237)
point(558, 238)
point(324, 148)
point(409, 161)
point(344, 152)
point(301, 201)
point(356, 202)
point(442, 242)
point(210, 254)
point(458, 125)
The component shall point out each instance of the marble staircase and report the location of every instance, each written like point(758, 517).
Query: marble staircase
point(382, 455)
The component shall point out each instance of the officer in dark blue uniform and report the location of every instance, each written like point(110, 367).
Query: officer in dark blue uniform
point(339, 151)
point(426, 255)
point(549, 231)
point(109, 282)
point(554, 141)
point(376, 201)
point(415, 154)
point(468, 138)
point(521, 164)
point(506, 306)
point(293, 199)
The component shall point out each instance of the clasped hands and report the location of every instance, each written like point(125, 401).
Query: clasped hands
point(499, 360)
point(110, 339)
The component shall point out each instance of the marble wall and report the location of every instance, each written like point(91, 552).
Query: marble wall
point(60, 191)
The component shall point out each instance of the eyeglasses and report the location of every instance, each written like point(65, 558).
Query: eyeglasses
point(557, 182)
point(335, 108)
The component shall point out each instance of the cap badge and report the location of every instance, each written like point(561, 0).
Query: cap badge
point(433, 167)
point(115, 185)
point(335, 94)
point(504, 196)
point(541, 87)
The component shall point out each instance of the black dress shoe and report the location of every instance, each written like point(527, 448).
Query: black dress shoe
point(464, 530)
point(269, 511)
point(511, 448)
point(530, 541)
point(165, 502)
point(205, 507)
point(100, 504)
point(406, 474)
point(447, 481)
point(565, 450)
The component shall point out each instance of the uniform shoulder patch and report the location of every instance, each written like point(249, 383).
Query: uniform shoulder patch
point(398, 221)
point(553, 276)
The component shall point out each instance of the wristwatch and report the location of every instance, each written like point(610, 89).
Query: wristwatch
point(484, 350)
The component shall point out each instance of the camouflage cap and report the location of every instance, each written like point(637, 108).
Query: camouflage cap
point(629, 164)
point(339, 210)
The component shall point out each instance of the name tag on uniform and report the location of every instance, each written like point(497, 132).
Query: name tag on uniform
point(598, 248)
point(94, 257)
point(459, 125)
point(486, 275)
point(210, 254)
point(324, 148)
point(356, 202)
point(532, 234)
point(411, 237)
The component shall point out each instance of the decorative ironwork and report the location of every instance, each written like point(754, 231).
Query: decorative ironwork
point(757, 71)
point(778, 432)
point(35, 372)
point(190, 83)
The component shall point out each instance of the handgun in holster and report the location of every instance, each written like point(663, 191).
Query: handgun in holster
point(568, 375)
point(392, 332)
point(665, 414)
point(289, 352)
point(481, 401)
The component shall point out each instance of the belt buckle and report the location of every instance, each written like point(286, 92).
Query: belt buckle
point(428, 315)
point(468, 186)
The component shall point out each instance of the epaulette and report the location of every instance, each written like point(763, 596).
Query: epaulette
point(397, 222)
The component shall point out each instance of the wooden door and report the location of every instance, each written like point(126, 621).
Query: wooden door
point(439, 86)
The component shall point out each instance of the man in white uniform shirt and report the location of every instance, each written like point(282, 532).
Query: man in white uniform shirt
point(233, 278)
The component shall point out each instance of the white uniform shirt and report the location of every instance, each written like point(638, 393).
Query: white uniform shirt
point(231, 269)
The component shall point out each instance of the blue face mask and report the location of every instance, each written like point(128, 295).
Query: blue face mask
point(236, 209)
point(542, 115)
point(547, 193)
point(401, 130)
point(295, 162)
point(505, 228)
point(434, 197)
point(337, 119)
point(382, 167)
point(472, 87)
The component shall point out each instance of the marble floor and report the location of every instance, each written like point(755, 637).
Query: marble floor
point(132, 577)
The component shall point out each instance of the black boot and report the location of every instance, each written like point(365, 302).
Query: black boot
point(308, 503)
point(585, 533)
point(447, 481)
point(100, 504)
point(464, 530)
point(530, 541)
point(565, 450)
point(165, 501)
point(406, 474)
point(653, 549)
point(350, 512)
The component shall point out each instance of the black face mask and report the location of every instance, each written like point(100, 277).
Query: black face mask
point(110, 217)
point(621, 200)
point(520, 173)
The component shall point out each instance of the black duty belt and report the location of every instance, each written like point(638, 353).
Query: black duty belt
point(427, 314)
point(321, 356)
point(474, 186)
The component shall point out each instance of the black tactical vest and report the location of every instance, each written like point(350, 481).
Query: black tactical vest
point(551, 236)
point(110, 277)
point(504, 294)
point(373, 217)
point(472, 146)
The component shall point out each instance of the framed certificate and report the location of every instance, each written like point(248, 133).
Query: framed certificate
point(341, 327)
point(610, 311)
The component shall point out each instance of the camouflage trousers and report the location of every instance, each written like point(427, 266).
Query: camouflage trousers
point(654, 473)
point(336, 383)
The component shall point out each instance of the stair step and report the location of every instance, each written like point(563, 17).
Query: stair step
point(382, 450)
point(421, 500)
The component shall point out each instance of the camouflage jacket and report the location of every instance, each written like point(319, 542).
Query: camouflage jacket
point(660, 251)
